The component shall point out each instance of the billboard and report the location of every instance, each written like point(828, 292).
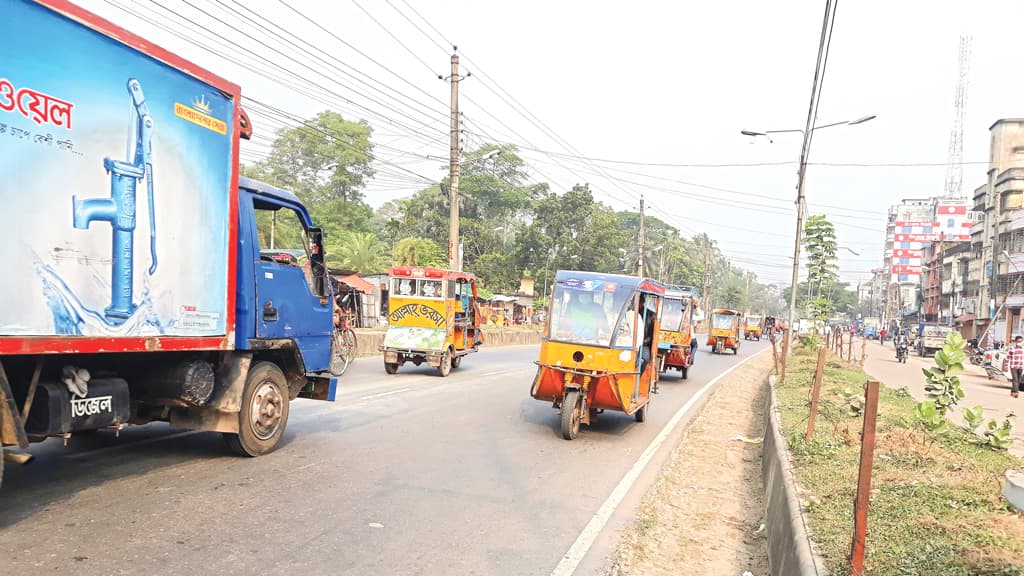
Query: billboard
point(116, 186)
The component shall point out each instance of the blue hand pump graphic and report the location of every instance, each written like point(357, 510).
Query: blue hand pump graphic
point(119, 209)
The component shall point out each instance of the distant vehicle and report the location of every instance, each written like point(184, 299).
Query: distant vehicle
point(931, 337)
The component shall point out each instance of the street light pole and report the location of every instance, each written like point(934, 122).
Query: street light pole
point(800, 203)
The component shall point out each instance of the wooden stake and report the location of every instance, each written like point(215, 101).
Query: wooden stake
point(785, 353)
point(849, 351)
point(815, 393)
point(863, 498)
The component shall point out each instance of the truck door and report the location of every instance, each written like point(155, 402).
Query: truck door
point(293, 296)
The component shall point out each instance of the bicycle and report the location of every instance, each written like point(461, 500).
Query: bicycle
point(343, 347)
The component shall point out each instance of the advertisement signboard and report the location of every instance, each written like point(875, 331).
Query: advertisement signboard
point(116, 190)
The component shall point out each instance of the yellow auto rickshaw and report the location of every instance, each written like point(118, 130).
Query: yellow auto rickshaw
point(674, 351)
point(752, 327)
point(599, 347)
point(724, 331)
point(433, 318)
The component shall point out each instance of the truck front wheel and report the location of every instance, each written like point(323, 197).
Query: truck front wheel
point(264, 413)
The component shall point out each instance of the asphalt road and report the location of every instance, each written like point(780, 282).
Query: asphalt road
point(403, 474)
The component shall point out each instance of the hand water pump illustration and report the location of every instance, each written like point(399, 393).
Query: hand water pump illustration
point(119, 209)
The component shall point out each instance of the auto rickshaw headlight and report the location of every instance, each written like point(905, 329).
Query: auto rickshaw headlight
point(577, 356)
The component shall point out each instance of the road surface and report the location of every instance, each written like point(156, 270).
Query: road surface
point(404, 474)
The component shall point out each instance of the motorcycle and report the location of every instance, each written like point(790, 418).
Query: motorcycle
point(901, 353)
point(993, 362)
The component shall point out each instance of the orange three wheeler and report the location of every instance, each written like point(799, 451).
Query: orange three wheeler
point(597, 353)
point(752, 327)
point(724, 331)
point(674, 349)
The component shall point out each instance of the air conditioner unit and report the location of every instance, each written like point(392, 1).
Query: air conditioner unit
point(976, 216)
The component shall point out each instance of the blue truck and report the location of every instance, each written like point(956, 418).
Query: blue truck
point(141, 284)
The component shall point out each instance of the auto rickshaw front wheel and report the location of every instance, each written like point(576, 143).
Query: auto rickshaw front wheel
point(572, 408)
point(456, 361)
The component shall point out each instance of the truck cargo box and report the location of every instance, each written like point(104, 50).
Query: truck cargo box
point(119, 189)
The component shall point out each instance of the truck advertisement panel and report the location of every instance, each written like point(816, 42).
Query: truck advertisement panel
point(116, 186)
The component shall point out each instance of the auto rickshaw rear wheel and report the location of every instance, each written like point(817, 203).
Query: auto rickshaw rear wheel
point(445, 367)
point(572, 406)
point(391, 367)
point(641, 414)
point(684, 370)
point(456, 361)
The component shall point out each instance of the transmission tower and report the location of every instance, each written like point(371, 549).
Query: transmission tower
point(954, 168)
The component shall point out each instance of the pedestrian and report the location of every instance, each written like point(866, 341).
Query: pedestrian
point(882, 337)
point(1015, 362)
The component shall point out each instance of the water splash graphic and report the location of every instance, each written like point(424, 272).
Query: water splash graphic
point(73, 318)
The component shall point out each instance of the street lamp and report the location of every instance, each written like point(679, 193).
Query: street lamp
point(801, 172)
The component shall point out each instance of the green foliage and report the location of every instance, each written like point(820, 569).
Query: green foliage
point(418, 252)
point(930, 417)
point(820, 241)
point(359, 251)
point(943, 385)
point(995, 436)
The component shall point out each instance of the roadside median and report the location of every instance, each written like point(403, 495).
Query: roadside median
point(936, 505)
point(704, 514)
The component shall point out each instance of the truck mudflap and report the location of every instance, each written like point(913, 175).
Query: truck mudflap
point(12, 429)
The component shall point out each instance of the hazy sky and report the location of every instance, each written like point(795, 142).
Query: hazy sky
point(646, 82)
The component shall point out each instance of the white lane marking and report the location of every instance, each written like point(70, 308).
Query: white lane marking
point(133, 444)
point(495, 373)
point(382, 394)
point(571, 560)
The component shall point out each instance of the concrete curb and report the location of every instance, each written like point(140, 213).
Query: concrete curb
point(790, 550)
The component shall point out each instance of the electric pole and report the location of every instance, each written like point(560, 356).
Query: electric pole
point(454, 259)
point(640, 241)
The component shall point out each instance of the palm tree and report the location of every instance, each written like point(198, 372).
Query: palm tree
point(362, 252)
point(414, 251)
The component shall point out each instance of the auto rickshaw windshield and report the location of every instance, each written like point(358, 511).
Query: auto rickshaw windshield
point(672, 315)
point(583, 316)
point(722, 321)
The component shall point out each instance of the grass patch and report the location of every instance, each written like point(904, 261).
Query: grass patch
point(936, 507)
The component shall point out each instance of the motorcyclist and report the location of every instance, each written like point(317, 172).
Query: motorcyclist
point(901, 343)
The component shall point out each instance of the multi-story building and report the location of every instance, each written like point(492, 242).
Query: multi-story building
point(997, 238)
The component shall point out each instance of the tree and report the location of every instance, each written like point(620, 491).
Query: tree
point(325, 158)
point(820, 241)
point(360, 251)
point(414, 251)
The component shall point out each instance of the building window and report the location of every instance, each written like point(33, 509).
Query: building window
point(950, 223)
point(1012, 200)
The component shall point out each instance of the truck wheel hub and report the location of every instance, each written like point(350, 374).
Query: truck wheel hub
point(265, 410)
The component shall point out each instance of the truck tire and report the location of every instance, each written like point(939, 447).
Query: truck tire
point(264, 413)
point(391, 367)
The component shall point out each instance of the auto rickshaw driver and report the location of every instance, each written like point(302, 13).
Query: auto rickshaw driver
point(586, 317)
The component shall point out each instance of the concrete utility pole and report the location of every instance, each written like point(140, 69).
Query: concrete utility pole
point(454, 260)
point(640, 241)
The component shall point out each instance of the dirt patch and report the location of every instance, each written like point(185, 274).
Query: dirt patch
point(704, 513)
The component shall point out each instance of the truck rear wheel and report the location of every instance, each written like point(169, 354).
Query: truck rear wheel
point(264, 413)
